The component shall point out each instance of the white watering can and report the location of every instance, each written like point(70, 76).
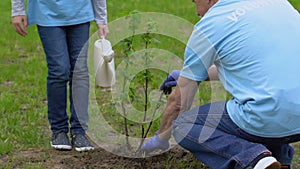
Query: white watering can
point(104, 63)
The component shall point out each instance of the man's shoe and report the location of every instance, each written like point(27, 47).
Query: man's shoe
point(81, 143)
point(274, 165)
point(266, 161)
point(60, 141)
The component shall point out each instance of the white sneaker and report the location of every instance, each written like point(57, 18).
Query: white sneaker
point(267, 163)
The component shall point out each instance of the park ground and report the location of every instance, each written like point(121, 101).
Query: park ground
point(24, 129)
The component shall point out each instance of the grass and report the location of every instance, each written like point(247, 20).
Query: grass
point(23, 106)
point(22, 88)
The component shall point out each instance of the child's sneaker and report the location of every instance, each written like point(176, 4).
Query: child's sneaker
point(81, 143)
point(60, 141)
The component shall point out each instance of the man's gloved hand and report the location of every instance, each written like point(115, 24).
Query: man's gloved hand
point(155, 143)
point(170, 82)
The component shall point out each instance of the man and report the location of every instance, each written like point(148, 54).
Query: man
point(254, 45)
point(63, 28)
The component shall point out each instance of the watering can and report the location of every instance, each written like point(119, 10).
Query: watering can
point(104, 63)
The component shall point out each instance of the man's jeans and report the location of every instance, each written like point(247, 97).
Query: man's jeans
point(209, 133)
point(66, 54)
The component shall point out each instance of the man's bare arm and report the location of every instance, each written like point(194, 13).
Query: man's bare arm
point(179, 101)
point(212, 73)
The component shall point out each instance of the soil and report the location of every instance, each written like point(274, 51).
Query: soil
point(98, 158)
point(48, 158)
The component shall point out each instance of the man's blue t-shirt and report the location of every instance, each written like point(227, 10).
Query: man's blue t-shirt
point(255, 46)
point(59, 12)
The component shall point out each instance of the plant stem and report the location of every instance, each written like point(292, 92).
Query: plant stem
point(146, 86)
point(130, 48)
point(125, 114)
point(150, 124)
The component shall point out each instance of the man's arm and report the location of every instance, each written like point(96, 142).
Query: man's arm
point(179, 101)
point(100, 13)
point(212, 73)
point(19, 19)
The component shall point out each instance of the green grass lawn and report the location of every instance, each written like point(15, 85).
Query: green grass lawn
point(23, 104)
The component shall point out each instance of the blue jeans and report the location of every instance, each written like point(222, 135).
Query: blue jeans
point(209, 133)
point(66, 54)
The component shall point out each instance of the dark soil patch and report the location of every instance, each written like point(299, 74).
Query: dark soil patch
point(99, 158)
point(48, 158)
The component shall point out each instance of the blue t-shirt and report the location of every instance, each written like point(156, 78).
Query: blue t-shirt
point(255, 46)
point(59, 12)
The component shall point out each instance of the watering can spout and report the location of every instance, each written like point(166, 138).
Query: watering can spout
point(104, 63)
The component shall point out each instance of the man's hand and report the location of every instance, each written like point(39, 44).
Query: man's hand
point(20, 24)
point(155, 143)
point(170, 82)
point(102, 31)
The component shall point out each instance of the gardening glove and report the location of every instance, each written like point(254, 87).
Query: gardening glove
point(170, 82)
point(155, 143)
